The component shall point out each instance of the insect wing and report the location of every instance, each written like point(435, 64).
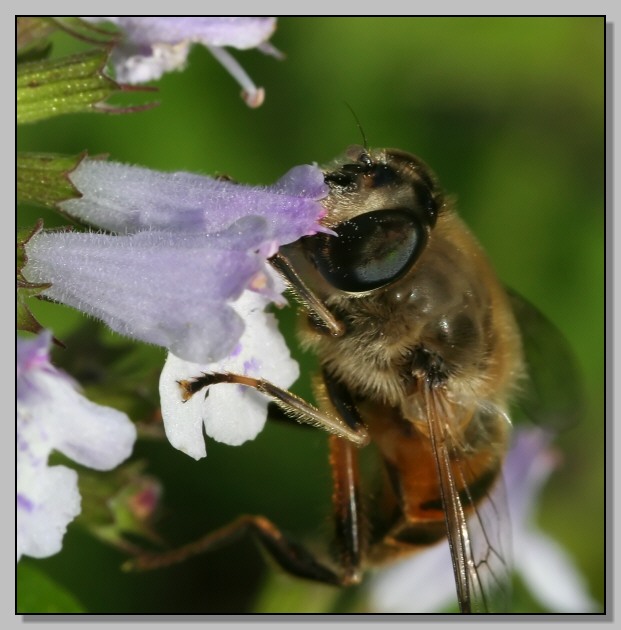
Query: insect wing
point(551, 395)
point(489, 532)
point(478, 528)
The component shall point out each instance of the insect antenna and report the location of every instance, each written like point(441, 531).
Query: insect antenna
point(365, 144)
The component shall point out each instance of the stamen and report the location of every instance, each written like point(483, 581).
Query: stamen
point(268, 49)
point(252, 95)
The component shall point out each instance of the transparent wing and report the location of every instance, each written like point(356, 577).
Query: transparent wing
point(476, 512)
point(489, 531)
point(477, 522)
point(552, 395)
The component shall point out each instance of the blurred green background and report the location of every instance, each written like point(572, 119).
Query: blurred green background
point(509, 112)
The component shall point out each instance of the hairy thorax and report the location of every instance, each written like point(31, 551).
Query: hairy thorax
point(446, 320)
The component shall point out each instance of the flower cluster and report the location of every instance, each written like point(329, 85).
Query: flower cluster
point(52, 415)
point(182, 265)
point(186, 270)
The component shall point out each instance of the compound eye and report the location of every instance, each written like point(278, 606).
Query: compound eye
point(371, 250)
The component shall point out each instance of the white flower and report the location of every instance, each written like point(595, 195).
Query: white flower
point(53, 415)
point(231, 414)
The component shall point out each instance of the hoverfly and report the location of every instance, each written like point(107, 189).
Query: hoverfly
point(420, 355)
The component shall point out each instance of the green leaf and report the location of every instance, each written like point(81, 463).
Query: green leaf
point(38, 593)
point(63, 86)
point(44, 178)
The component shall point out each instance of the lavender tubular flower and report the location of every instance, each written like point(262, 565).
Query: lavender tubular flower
point(53, 415)
point(163, 288)
point(122, 198)
point(191, 246)
point(154, 45)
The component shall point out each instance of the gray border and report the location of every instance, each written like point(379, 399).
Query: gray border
point(610, 273)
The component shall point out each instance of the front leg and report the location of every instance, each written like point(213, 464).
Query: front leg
point(293, 406)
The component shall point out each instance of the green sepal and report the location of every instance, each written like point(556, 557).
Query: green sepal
point(68, 85)
point(23, 236)
point(43, 179)
point(25, 290)
point(33, 35)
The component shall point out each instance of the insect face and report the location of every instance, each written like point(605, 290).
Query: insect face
point(410, 286)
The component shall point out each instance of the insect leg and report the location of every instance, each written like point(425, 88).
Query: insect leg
point(349, 524)
point(290, 555)
point(346, 504)
point(292, 405)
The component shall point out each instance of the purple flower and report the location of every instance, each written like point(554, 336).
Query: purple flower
point(231, 414)
point(122, 198)
point(425, 582)
point(53, 415)
point(190, 246)
point(154, 45)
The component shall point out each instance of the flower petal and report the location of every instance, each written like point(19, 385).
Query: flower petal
point(154, 45)
point(194, 245)
point(552, 576)
point(132, 67)
point(93, 435)
point(231, 414)
point(53, 415)
point(547, 569)
point(528, 465)
point(423, 583)
point(183, 420)
point(47, 501)
point(123, 198)
point(239, 32)
point(163, 288)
